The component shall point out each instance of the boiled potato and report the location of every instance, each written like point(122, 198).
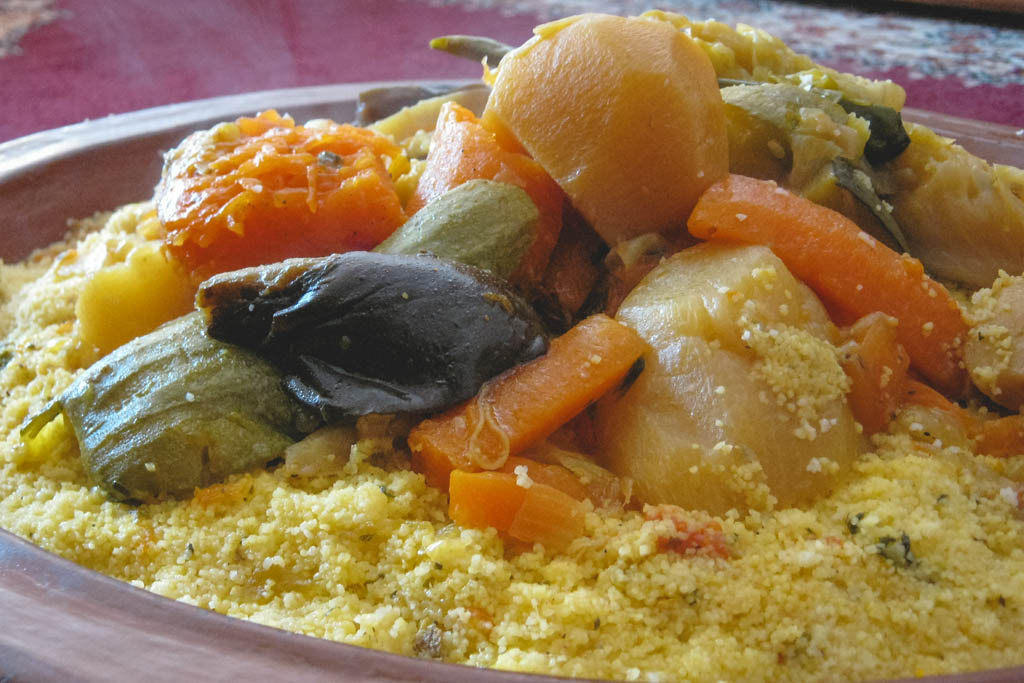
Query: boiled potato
point(625, 113)
point(742, 400)
point(122, 301)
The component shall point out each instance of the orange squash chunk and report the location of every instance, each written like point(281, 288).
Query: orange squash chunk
point(263, 189)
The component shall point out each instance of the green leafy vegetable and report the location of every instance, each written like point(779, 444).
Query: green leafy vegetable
point(888, 137)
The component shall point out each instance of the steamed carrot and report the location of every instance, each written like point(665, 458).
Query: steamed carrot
point(548, 516)
point(528, 403)
point(555, 476)
point(518, 508)
point(463, 149)
point(484, 499)
point(877, 365)
point(916, 392)
point(845, 266)
point(1002, 437)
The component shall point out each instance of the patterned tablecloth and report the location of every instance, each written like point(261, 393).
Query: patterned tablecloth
point(63, 61)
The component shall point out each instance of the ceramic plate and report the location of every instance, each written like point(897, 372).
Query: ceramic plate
point(59, 621)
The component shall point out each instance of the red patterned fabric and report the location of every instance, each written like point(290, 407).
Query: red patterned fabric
point(62, 61)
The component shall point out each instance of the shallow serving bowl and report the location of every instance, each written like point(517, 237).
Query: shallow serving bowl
point(60, 621)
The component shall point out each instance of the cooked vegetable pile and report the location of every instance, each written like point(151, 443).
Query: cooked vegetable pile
point(656, 274)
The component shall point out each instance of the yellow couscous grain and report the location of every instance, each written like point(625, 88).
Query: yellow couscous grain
point(913, 565)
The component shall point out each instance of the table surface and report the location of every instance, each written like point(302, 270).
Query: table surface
point(64, 61)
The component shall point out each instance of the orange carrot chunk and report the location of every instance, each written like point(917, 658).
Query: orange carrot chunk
point(517, 508)
point(528, 403)
point(1002, 437)
point(573, 268)
point(484, 499)
point(845, 266)
point(877, 365)
point(555, 476)
point(548, 516)
point(463, 149)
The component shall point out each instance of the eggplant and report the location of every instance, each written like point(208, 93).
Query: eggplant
point(362, 332)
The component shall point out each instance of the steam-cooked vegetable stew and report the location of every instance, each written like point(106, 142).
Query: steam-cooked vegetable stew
point(665, 354)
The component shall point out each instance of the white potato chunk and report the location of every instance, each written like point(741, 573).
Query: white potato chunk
point(122, 301)
point(742, 400)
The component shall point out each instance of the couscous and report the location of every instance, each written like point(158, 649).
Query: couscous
point(784, 527)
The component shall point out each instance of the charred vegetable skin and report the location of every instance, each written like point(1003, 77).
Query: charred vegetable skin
point(362, 333)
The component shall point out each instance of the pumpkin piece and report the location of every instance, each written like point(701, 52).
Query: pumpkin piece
point(262, 189)
point(127, 300)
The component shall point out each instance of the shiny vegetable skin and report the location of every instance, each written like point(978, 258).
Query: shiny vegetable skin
point(481, 223)
point(362, 332)
point(175, 410)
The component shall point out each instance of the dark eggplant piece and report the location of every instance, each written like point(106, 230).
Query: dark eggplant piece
point(175, 410)
point(362, 332)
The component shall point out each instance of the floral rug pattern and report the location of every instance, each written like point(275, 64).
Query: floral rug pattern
point(926, 46)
